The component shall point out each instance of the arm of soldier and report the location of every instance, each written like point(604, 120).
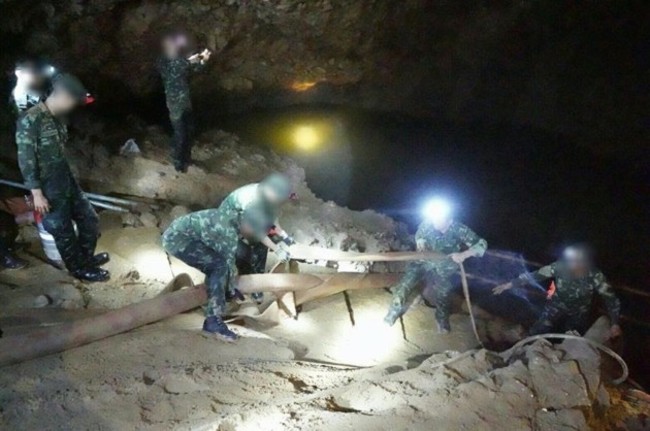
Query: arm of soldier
point(286, 238)
point(421, 236)
point(612, 303)
point(476, 246)
point(27, 141)
point(282, 253)
point(542, 274)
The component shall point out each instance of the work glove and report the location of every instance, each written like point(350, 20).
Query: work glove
point(288, 240)
point(282, 254)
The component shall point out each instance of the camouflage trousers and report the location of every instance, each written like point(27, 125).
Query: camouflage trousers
point(251, 259)
point(559, 319)
point(76, 248)
point(207, 260)
point(183, 126)
point(425, 273)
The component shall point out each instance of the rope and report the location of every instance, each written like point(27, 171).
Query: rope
point(603, 348)
point(463, 279)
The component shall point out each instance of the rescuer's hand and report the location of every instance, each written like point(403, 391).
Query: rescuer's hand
point(40, 201)
point(614, 332)
point(501, 288)
point(288, 240)
point(282, 254)
point(205, 55)
point(458, 257)
point(194, 58)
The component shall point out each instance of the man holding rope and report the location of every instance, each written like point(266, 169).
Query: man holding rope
point(439, 232)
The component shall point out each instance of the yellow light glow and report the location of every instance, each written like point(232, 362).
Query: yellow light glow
point(306, 138)
point(303, 86)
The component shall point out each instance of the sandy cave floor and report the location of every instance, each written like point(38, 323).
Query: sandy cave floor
point(337, 367)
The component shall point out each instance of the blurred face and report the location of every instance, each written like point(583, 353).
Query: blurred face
point(577, 262)
point(29, 77)
point(271, 196)
point(63, 101)
point(173, 45)
point(441, 224)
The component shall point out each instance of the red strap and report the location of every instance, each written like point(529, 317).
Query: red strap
point(551, 290)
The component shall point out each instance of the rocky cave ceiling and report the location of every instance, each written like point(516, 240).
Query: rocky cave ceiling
point(573, 68)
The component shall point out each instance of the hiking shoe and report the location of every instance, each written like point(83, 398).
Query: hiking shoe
point(391, 317)
point(215, 325)
point(444, 328)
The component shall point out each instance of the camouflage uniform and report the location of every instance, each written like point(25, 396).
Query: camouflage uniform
point(175, 76)
point(251, 255)
point(208, 242)
point(569, 307)
point(41, 138)
point(205, 242)
point(438, 272)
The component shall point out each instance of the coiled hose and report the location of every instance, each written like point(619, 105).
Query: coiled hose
point(599, 346)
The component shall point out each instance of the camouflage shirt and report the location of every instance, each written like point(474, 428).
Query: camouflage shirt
point(40, 138)
point(575, 295)
point(175, 73)
point(243, 199)
point(452, 241)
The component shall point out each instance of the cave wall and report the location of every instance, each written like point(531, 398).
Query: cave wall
point(573, 68)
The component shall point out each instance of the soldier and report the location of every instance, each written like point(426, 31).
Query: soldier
point(267, 196)
point(41, 137)
point(208, 242)
point(175, 69)
point(568, 306)
point(439, 232)
point(28, 91)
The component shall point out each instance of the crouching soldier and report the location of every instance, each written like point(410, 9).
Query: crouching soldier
point(568, 306)
point(267, 196)
point(41, 137)
point(439, 232)
point(208, 242)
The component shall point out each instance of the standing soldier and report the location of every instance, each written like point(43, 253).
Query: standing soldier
point(41, 137)
point(208, 242)
point(267, 196)
point(175, 69)
point(439, 232)
point(568, 304)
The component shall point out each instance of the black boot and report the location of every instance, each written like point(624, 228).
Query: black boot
point(99, 259)
point(92, 274)
point(12, 262)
